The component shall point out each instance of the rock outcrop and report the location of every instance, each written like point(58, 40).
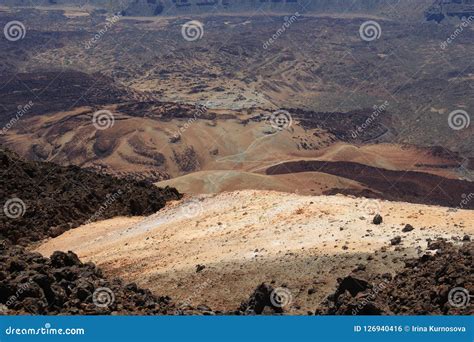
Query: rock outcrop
point(42, 200)
point(438, 283)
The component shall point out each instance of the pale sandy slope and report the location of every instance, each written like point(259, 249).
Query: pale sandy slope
point(248, 237)
point(211, 182)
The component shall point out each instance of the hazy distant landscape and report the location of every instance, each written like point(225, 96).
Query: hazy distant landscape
point(240, 157)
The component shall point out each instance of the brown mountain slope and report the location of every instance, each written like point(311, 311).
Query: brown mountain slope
point(307, 67)
point(410, 186)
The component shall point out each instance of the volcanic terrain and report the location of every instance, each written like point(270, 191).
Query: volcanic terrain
point(245, 238)
point(278, 151)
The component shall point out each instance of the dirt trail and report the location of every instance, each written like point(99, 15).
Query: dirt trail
point(247, 237)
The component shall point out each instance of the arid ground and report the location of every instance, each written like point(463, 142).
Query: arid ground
point(271, 151)
point(250, 237)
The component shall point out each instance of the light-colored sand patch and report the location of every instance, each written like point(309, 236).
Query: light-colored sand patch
point(247, 237)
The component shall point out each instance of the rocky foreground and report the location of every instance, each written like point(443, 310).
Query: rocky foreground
point(438, 283)
point(44, 200)
point(62, 284)
point(31, 283)
point(215, 249)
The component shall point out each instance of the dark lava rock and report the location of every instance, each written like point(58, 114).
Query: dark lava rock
point(377, 219)
point(352, 285)
point(16, 265)
point(360, 267)
point(61, 259)
point(407, 228)
point(199, 268)
point(58, 198)
point(63, 285)
point(437, 244)
point(352, 297)
point(396, 240)
point(421, 288)
point(260, 301)
point(66, 286)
